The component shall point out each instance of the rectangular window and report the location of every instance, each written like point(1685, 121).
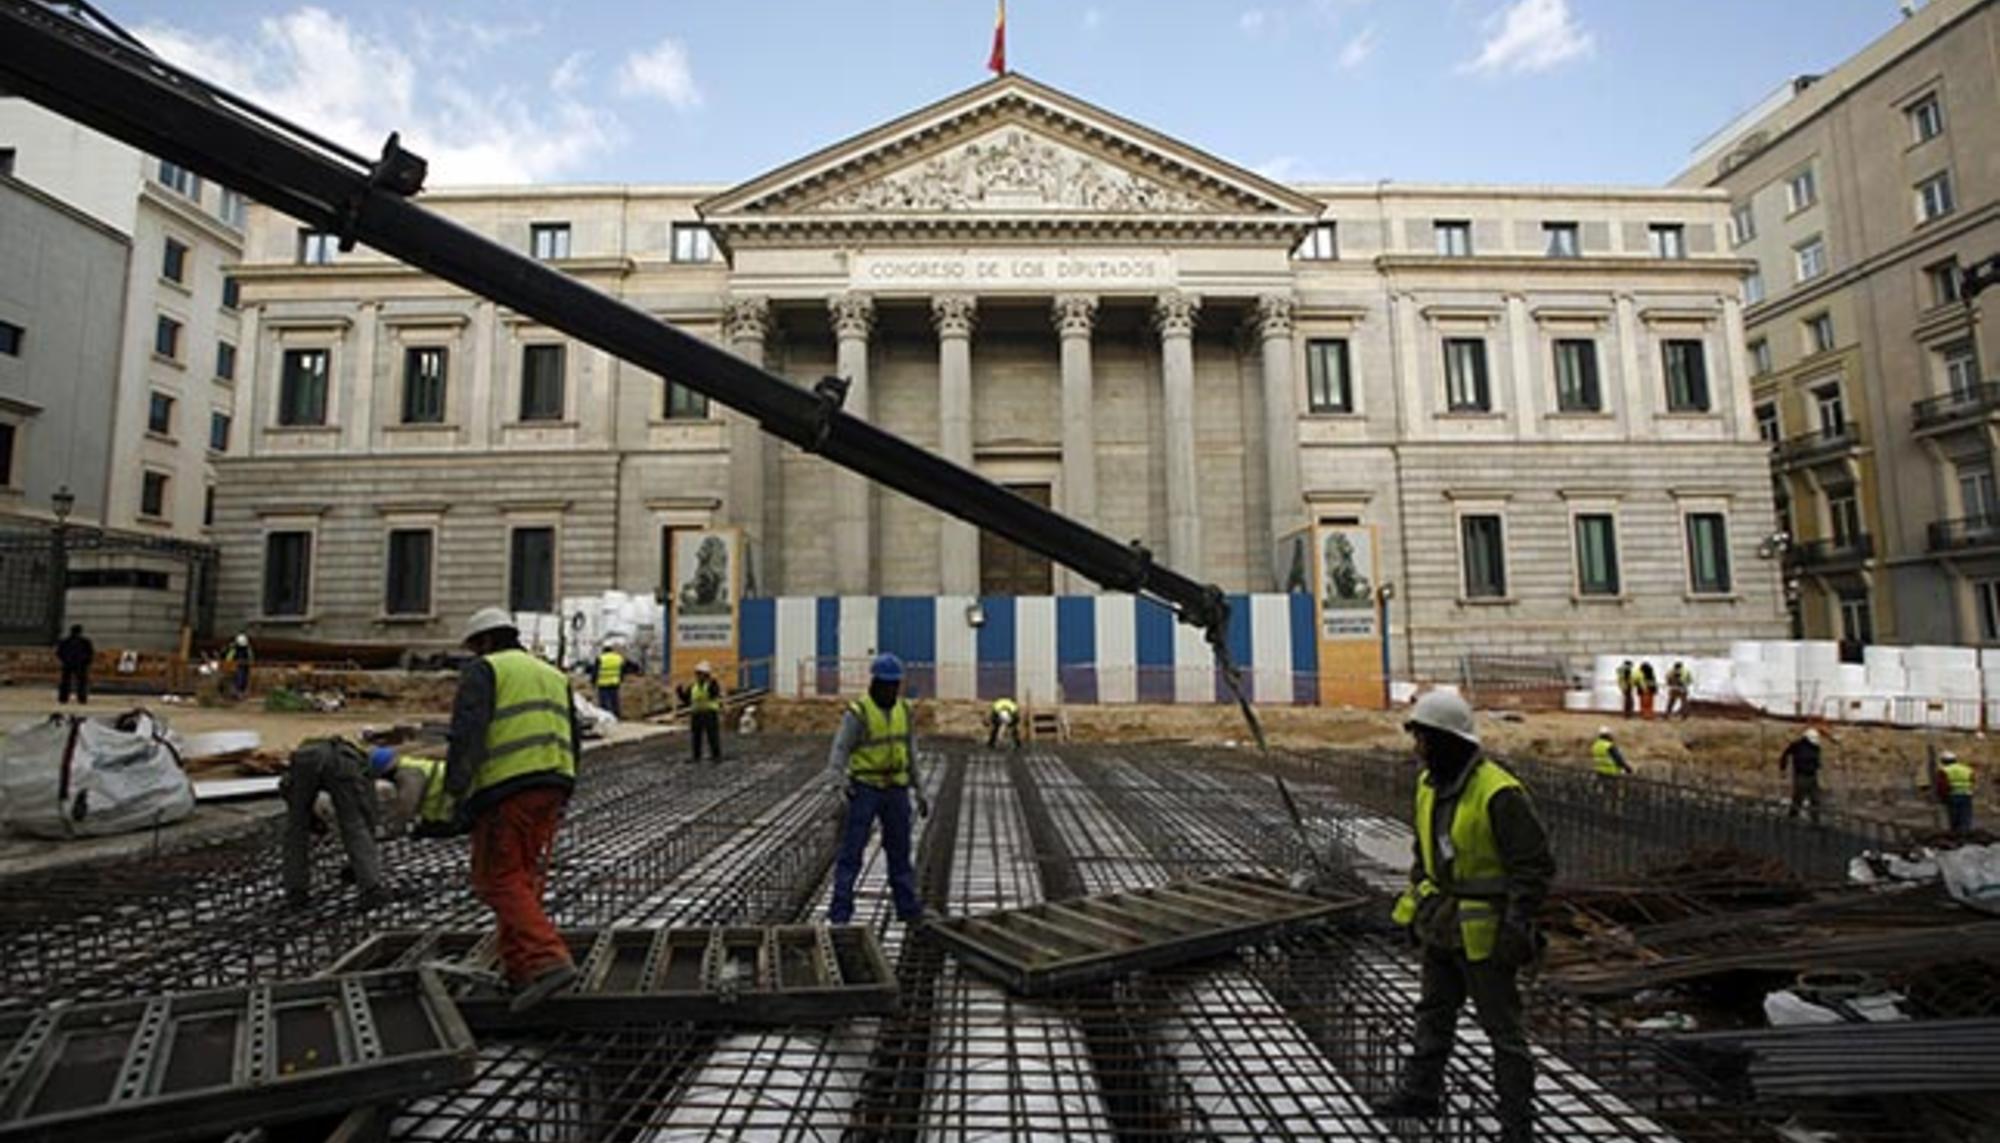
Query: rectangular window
point(1977, 497)
point(1947, 286)
point(1934, 197)
point(6, 455)
point(1742, 223)
point(1926, 118)
point(1857, 619)
point(302, 387)
point(1708, 553)
point(1802, 190)
point(1485, 557)
point(1321, 244)
point(11, 336)
point(409, 574)
point(173, 262)
point(233, 208)
point(1961, 369)
point(1809, 259)
point(208, 507)
point(549, 240)
point(1005, 569)
point(1768, 429)
point(1576, 376)
point(542, 383)
point(160, 415)
point(692, 243)
point(424, 369)
point(317, 248)
point(218, 432)
point(180, 180)
point(1832, 410)
point(1560, 240)
point(1819, 333)
point(287, 573)
point(531, 570)
point(1454, 238)
point(684, 404)
point(1597, 554)
point(1329, 385)
point(232, 294)
point(225, 361)
point(167, 338)
point(1781, 507)
point(1668, 240)
point(1687, 375)
point(1760, 356)
point(1987, 593)
point(1465, 387)
point(7, 161)
point(153, 495)
point(1753, 287)
point(1843, 514)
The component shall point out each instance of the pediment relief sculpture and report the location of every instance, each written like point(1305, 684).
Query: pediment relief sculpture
point(1013, 169)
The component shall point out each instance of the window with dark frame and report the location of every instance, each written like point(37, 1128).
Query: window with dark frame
point(173, 261)
point(225, 361)
point(1454, 238)
point(1819, 333)
point(1768, 429)
point(1667, 239)
point(218, 432)
point(1961, 368)
point(692, 243)
point(232, 293)
point(1577, 389)
point(287, 573)
point(1935, 198)
point(1843, 513)
point(1802, 190)
point(11, 336)
point(1596, 553)
point(1988, 593)
point(1465, 383)
point(1708, 553)
point(683, 403)
point(180, 180)
point(1742, 223)
point(531, 570)
point(160, 414)
point(1329, 384)
point(1832, 409)
point(208, 507)
point(1483, 537)
point(1561, 240)
point(317, 248)
point(408, 587)
point(1809, 259)
point(542, 382)
point(424, 376)
point(302, 387)
point(167, 337)
point(1946, 283)
point(153, 495)
point(1857, 618)
point(1321, 244)
point(549, 240)
point(1687, 375)
point(1926, 119)
point(7, 161)
point(6, 455)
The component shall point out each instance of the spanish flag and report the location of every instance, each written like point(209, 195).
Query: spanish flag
point(997, 62)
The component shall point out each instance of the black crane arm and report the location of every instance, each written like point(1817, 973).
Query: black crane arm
point(72, 61)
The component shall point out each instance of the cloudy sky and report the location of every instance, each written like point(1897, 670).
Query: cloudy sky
point(712, 91)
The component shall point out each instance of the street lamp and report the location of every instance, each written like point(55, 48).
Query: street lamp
point(62, 501)
point(1383, 595)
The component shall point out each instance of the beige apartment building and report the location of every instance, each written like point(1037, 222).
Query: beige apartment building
point(1861, 195)
point(1537, 397)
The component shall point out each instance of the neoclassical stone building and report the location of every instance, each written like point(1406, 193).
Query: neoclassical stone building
point(1537, 397)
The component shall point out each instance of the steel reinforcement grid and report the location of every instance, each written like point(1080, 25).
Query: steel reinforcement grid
point(1286, 1040)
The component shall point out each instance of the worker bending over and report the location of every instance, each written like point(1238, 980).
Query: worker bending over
point(1003, 718)
point(1679, 680)
point(873, 766)
point(1607, 760)
point(337, 768)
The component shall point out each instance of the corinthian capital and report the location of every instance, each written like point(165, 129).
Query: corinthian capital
point(954, 314)
point(1174, 313)
point(1075, 314)
point(1274, 315)
point(747, 318)
point(853, 315)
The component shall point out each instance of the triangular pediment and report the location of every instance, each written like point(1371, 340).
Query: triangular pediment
point(1009, 149)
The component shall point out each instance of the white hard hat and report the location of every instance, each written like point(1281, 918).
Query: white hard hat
point(487, 619)
point(1604, 732)
point(702, 668)
point(1447, 712)
point(243, 640)
point(1812, 735)
point(1947, 756)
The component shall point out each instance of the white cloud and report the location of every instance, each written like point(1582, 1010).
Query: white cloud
point(1531, 36)
point(662, 72)
point(1357, 50)
point(1252, 21)
point(314, 68)
point(569, 75)
point(1093, 19)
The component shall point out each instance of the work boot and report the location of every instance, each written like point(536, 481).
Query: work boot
point(1407, 1105)
point(547, 983)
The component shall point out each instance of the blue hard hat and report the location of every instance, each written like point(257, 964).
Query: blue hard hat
point(380, 759)
point(886, 668)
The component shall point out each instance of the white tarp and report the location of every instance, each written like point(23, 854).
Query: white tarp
point(1972, 874)
point(77, 777)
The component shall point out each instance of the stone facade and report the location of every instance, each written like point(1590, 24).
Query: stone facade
point(1062, 301)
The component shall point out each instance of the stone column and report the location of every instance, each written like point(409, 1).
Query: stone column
point(853, 500)
point(1174, 316)
point(1637, 408)
point(1076, 319)
point(258, 365)
point(1281, 420)
point(357, 409)
point(482, 394)
point(958, 541)
point(746, 322)
point(1522, 388)
point(1732, 369)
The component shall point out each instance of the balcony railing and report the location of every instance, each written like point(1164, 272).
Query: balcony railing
point(1979, 399)
point(1816, 444)
point(1969, 532)
point(1839, 551)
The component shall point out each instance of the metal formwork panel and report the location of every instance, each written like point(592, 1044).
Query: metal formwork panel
point(1063, 944)
point(788, 974)
point(203, 1064)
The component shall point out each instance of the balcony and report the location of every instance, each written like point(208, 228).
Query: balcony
point(1964, 534)
point(1951, 408)
point(1839, 552)
point(1819, 445)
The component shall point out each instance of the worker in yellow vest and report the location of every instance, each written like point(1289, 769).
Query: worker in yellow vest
point(1482, 868)
point(420, 802)
point(1606, 759)
point(703, 700)
point(1957, 780)
point(609, 671)
point(873, 766)
point(1003, 718)
point(1628, 684)
point(510, 768)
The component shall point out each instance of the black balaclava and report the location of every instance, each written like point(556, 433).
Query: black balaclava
point(883, 694)
point(1444, 754)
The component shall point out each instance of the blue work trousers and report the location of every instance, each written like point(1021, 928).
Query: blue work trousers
point(865, 803)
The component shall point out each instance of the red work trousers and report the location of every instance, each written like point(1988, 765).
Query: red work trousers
point(511, 845)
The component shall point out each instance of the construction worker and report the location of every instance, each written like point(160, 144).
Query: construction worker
point(1608, 760)
point(1005, 715)
point(1482, 868)
point(419, 801)
point(236, 659)
point(703, 699)
point(73, 656)
point(1802, 758)
point(337, 768)
point(1649, 689)
point(1628, 681)
point(1956, 778)
point(609, 671)
point(509, 769)
point(1679, 679)
point(873, 766)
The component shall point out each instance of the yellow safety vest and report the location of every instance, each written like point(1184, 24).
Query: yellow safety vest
point(882, 757)
point(1624, 677)
point(530, 728)
point(1005, 706)
point(1677, 676)
point(1601, 751)
point(1477, 879)
point(610, 669)
point(436, 805)
point(1958, 779)
point(702, 698)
